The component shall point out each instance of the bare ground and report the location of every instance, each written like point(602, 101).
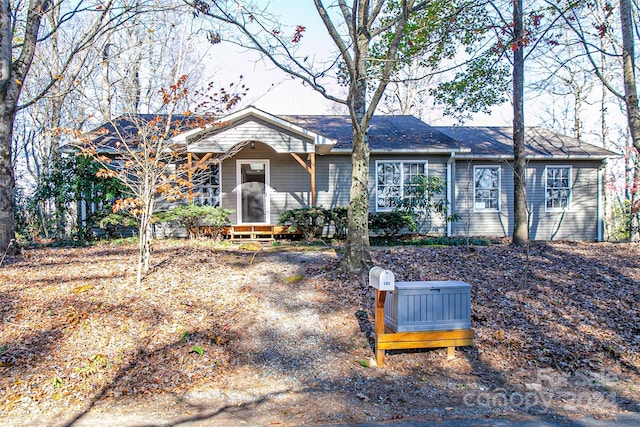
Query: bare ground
point(279, 336)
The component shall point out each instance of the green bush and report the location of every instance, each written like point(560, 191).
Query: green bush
point(390, 223)
point(192, 217)
point(338, 217)
point(620, 221)
point(114, 224)
point(70, 180)
point(421, 199)
point(309, 221)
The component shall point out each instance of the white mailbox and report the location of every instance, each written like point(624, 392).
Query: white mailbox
point(381, 279)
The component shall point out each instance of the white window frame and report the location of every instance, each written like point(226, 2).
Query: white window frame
point(568, 189)
point(401, 183)
point(477, 208)
point(203, 194)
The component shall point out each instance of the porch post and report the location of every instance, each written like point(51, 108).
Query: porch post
point(313, 179)
point(312, 172)
point(190, 176)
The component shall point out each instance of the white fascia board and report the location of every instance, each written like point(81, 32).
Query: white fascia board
point(536, 157)
point(406, 151)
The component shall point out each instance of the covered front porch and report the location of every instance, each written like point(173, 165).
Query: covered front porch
point(255, 165)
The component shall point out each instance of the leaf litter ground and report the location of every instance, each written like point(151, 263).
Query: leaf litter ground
point(278, 336)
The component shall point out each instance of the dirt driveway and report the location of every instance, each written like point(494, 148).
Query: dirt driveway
point(279, 337)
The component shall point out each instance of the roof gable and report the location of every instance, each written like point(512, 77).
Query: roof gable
point(321, 142)
point(250, 128)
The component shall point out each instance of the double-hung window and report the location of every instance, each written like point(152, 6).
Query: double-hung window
point(558, 187)
point(209, 188)
point(394, 180)
point(486, 194)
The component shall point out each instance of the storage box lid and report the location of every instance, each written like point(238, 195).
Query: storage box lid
point(432, 284)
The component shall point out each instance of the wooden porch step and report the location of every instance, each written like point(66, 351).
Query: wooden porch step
point(257, 232)
point(254, 232)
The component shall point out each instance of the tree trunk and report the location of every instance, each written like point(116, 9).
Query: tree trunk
point(106, 81)
point(357, 256)
point(634, 205)
point(12, 74)
point(520, 216)
point(7, 219)
point(145, 231)
point(8, 97)
point(145, 237)
point(631, 101)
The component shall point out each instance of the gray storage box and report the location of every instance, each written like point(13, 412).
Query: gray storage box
point(428, 306)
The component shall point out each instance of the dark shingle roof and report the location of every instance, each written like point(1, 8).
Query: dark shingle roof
point(539, 142)
point(105, 136)
point(397, 134)
point(386, 133)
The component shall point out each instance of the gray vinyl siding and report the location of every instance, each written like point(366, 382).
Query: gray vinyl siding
point(482, 222)
point(333, 180)
point(579, 222)
point(290, 184)
point(280, 140)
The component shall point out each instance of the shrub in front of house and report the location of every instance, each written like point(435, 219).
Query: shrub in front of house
point(422, 200)
point(338, 218)
point(308, 221)
point(113, 224)
point(196, 219)
point(391, 223)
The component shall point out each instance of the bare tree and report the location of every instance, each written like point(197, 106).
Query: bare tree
point(23, 28)
point(590, 23)
point(633, 110)
point(144, 157)
point(122, 67)
point(354, 29)
point(138, 56)
point(410, 93)
point(515, 39)
point(520, 215)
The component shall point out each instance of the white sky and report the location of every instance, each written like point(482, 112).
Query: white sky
point(276, 92)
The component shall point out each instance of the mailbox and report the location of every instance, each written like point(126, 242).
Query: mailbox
point(381, 279)
point(429, 306)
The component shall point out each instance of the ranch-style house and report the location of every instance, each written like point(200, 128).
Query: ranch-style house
point(259, 165)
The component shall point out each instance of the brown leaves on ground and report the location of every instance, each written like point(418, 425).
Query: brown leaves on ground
point(230, 325)
point(567, 306)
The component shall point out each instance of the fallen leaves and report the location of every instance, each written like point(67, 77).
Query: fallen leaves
point(76, 328)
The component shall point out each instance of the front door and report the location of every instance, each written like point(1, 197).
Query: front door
point(253, 197)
